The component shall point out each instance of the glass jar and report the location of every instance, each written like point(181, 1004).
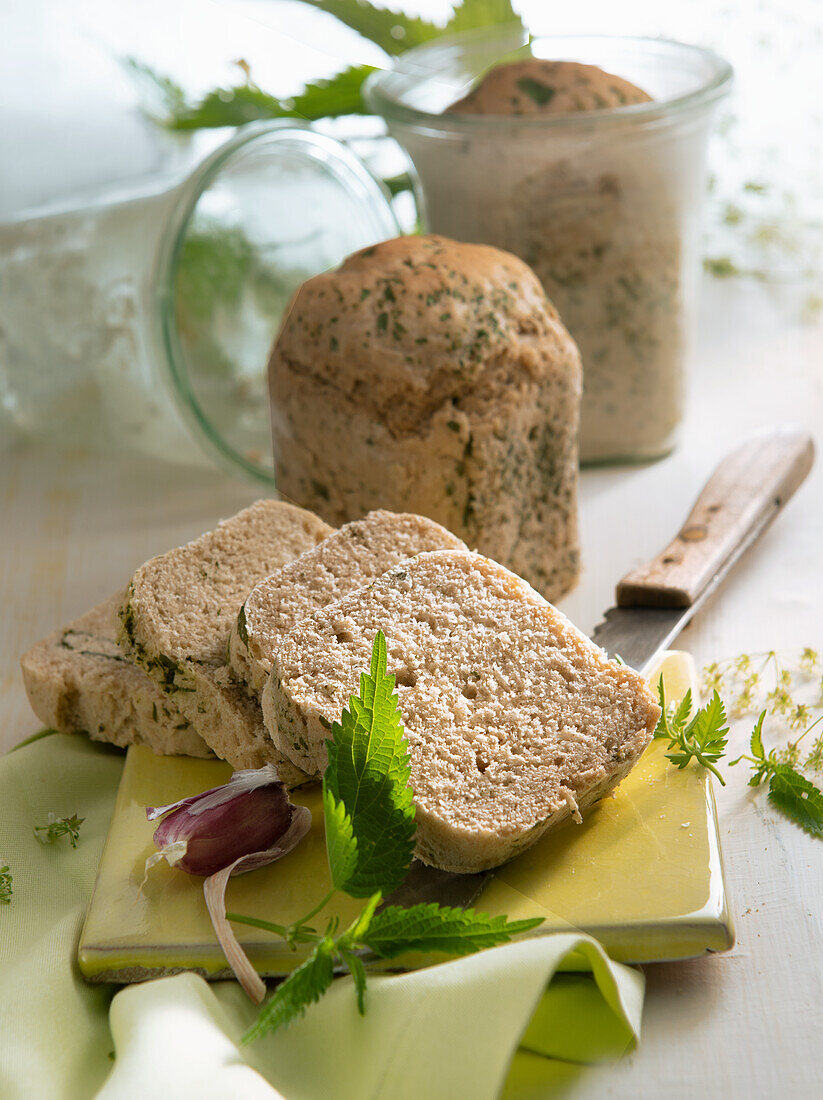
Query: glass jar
point(604, 205)
point(144, 319)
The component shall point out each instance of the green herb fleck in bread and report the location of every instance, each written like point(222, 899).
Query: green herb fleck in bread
point(178, 611)
point(515, 720)
point(359, 552)
point(77, 680)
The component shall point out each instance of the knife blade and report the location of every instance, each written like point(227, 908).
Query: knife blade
point(654, 602)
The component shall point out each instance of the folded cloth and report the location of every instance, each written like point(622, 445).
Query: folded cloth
point(480, 1026)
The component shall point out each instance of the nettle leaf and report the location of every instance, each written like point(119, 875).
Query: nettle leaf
point(339, 95)
point(708, 729)
point(234, 106)
point(341, 845)
point(303, 986)
point(799, 799)
point(433, 927)
point(368, 774)
point(756, 742)
point(392, 31)
point(358, 973)
point(472, 14)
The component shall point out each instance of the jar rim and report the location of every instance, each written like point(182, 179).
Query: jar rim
point(336, 159)
point(421, 63)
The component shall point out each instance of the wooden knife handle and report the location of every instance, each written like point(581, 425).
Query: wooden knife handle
point(740, 499)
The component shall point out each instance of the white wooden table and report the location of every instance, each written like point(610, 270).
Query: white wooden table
point(745, 1024)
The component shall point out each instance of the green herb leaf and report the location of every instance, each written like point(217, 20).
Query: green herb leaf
point(246, 102)
point(371, 840)
point(392, 31)
point(60, 826)
point(703, 739)
point(303, 986)
point(798, 798)
point(471, 14)
point(358, 973)
point(341, 845)
point(339, 95)
point(756, 742)
point(433, 927)
point(5, 885)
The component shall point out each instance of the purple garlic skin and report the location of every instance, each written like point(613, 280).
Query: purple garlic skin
point(245, 823)
point(251, 822)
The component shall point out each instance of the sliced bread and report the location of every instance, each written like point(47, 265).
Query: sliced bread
point(77, 680)
point(177, 613)
point(514, 719)
point(355, 554)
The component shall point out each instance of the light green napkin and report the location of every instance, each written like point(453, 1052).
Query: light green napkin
point(445, 1031)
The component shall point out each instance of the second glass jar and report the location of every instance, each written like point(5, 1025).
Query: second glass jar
point(604, 205)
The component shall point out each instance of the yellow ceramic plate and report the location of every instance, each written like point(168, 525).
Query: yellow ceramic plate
point(642, 873)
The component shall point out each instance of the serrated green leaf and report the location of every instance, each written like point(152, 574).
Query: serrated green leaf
point(799, 799)
point(432, 927)
point(662, 729)
point(681, 715)
point(339, 95)
point(234, 106)
point(303, 986)
point(358, 929)
point(756, 742)
point(341, 845)
point(392, 31)
point(473, 14)
point(358, 973)
point(368, 772)
point(708, 729)
point(245, 102)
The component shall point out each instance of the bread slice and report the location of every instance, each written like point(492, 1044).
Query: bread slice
point(515, 720)
point(355, 554)
point(78, 681)
point(176, 617)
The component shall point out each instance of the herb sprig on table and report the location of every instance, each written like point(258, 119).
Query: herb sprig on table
point(370, 830)
point(789, 790)
point(60, 826)
point(703, 737)
point(5, 885)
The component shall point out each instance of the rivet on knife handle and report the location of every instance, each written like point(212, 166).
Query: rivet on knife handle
point(738, 502)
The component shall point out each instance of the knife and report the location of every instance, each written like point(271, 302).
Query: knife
point(655, 601)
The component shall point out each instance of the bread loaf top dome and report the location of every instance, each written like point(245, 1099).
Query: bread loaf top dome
point(409, 324)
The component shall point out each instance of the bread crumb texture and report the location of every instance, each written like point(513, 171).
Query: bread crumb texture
point(177, 614)
point(78, 681)
point(434, 377)
point(514, 719)
point(537, 86)
point(359, 552)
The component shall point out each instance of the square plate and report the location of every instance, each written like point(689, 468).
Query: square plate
point(643, 874)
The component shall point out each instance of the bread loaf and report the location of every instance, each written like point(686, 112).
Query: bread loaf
point(434, 377)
